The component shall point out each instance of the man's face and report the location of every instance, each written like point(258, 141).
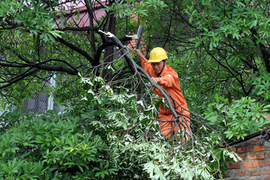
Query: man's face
point(158, 66)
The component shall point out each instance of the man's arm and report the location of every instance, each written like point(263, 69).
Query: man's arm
point(168, 80)
point(145, 64)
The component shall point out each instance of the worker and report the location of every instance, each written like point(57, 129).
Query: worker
point(167, 78)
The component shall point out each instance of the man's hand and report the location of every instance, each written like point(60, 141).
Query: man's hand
point(137, 52)
point(156, 80)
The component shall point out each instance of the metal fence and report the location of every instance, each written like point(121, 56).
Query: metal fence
point(41, 103)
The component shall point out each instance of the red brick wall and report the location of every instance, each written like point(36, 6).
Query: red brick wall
point(255, 164)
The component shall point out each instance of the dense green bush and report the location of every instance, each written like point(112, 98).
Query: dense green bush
point(48, 146)
point(103, 135)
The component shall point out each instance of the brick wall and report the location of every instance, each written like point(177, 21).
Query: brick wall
point(255, 154)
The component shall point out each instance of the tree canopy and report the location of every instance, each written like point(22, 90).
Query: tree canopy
point(220, 49)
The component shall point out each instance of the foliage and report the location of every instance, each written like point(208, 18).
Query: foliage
point(230, 44)
point(239, 119)
point(242, 117)
point(29, 16)
point(214, 46)
point(132, 7)
point(261, 82)
point(102, 137)
point(50, 146)
point(211, 44)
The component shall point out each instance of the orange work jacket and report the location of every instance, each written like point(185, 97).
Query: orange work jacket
point(170, 82)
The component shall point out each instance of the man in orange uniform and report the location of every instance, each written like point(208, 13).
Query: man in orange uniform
point(167, 78)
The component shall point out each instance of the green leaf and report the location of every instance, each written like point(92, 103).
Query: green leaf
point(253, 24)
point(98, 174)
point(62, 20)
point(217, 98)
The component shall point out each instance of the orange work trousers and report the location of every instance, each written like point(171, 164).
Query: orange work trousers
point(168, 126)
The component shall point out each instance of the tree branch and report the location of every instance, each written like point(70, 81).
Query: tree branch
point(265, 53)
point(20, 77)
point(75, 48)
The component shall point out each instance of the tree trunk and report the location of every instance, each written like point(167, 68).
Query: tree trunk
point(108, 55)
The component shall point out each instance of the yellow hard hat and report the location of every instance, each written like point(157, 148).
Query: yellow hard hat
point(157, 54)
